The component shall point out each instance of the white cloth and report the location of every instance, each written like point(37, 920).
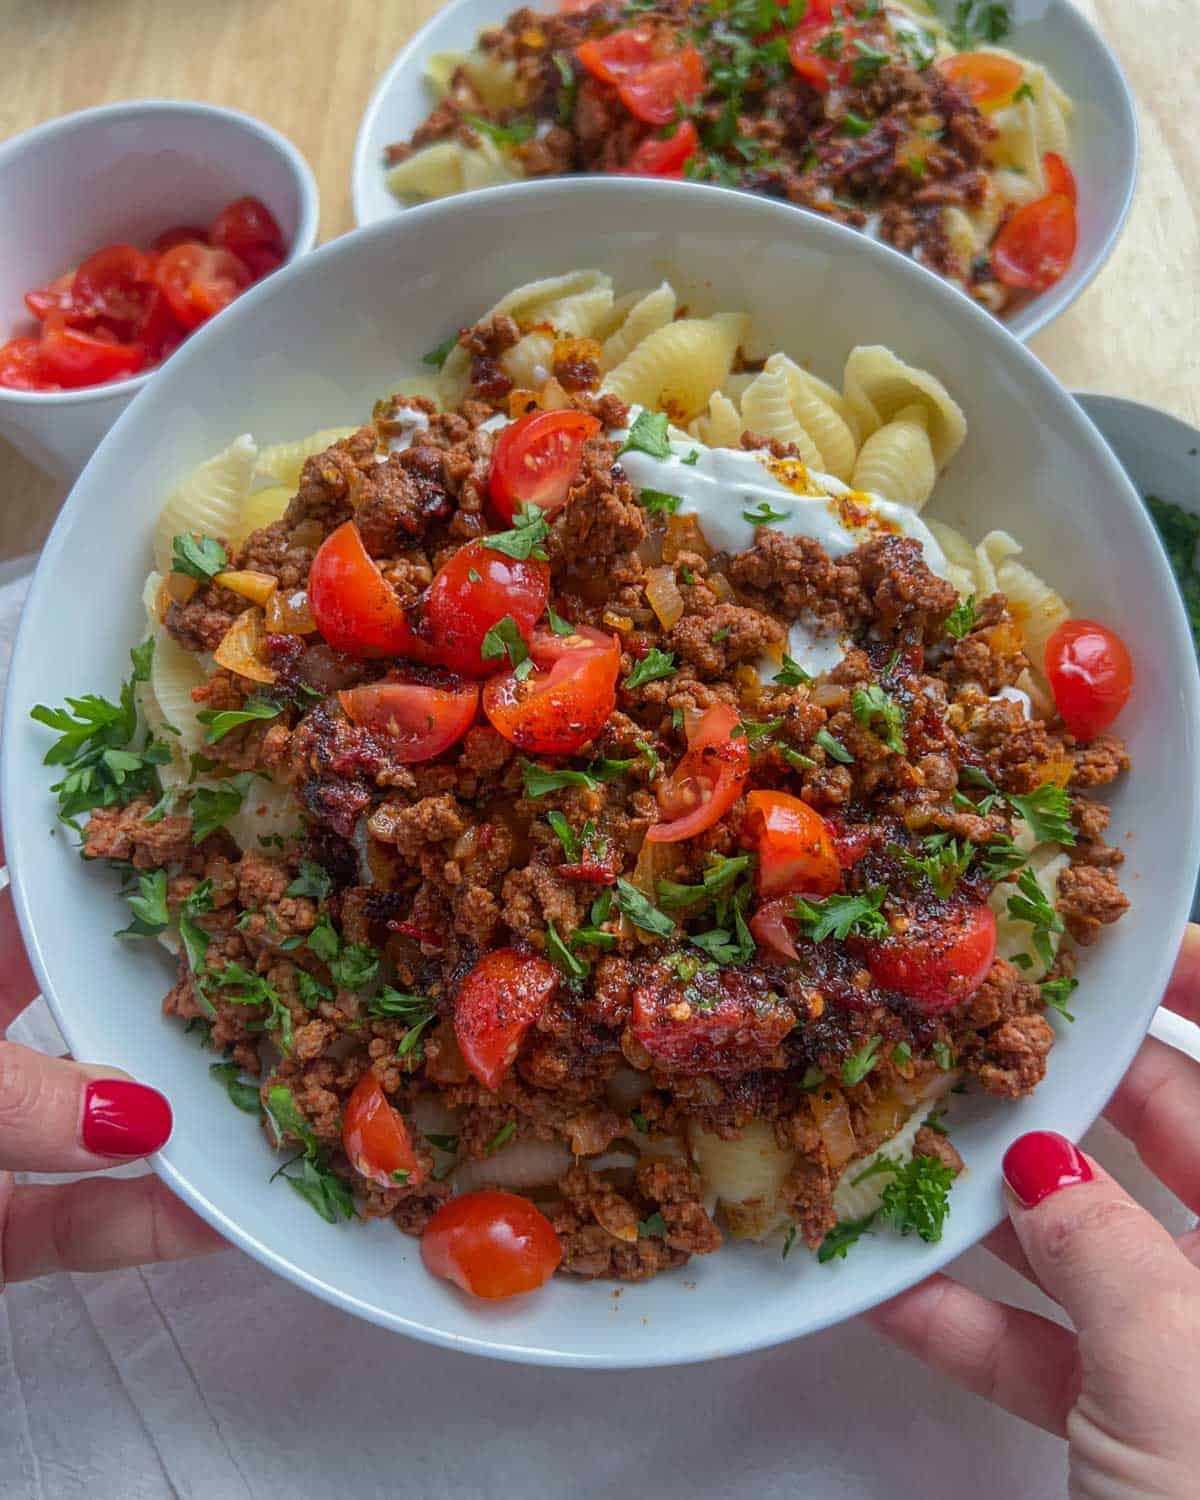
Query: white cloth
point(216, 1380)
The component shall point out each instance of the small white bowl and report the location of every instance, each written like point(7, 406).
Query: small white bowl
point(1103, 131)
point(315, 345)
point(124, 172)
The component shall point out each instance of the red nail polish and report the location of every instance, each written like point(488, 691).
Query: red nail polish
point(123, 1118)
point(1040, 1163)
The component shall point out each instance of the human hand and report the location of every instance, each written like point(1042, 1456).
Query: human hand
point(1124, 1389)
point(62, 1116)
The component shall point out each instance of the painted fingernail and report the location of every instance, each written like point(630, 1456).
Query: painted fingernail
point(1040, 1163)
point(123, 1118)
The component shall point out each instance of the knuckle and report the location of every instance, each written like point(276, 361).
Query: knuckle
point(1091, 1223)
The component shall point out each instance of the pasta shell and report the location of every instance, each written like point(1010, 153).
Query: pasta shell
point(1036, 607)
point(261, 508)
point(268, 811)
point(209, 501)
point(434, 171)
point(283, 462)
point(529, 362)
point(818, 416)
point(722, 427)
point(678, 367)
point(767, 412)
point(649, 312)
point(174, 672)
point(897, 460)
point(745, 1174)
point(879, 385)
point(856, 1201)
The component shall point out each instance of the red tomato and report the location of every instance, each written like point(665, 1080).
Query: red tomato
point(356, 609)
point(248, 224)
point(655, 158)
point(940, 961)
point(420, 720)
point(473, 592)
point(1090, 674)
point(72, 358)
point(492, 1244)
point(20, 367)
point(260, 261)
point(536, 459)
point(712, 1023)
point(770, 929)
point(199, 280)
point(1035, 247)
point(497, 1002)
point(706, 782)
point(851, 841)
point(653, 93)
point(114, 285)
point(567, 698)
point(795, 852)
point(53, 298)
point(1059, 177)
point(376, 1139)
point(178, 235)
point(613, 57)
point(986, 78)
point(158, 330)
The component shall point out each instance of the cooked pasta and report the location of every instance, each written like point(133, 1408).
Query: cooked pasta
point(897, 459)
point(209, 501)
point(678, 367)
point(282, 462)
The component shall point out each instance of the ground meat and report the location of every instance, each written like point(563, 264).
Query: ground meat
point(808, 1193)
point(714, 642)
point(601, 518)
point(398, 499)
point(1101, 761)
point(793, 577)
point(202, 623)
point(1088, 899)
point(932, 1143)
point(904, 592)
point(330, 481)
point(1014, 1062)
point(433, 820)
point(123, 834)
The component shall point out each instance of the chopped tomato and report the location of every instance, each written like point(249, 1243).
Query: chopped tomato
point(536, 458)
point(472, 592)
point(851, 841)
point(178, 235)
point(492, 1244)
point(724, 1022)
point(497, 1002)
point(820, 54)
point(565, 700)
point(939, 960)
point(772, 927)
point(114, 286)
point(706, 782)
point(376, 1139)
point(20, 367)
point(1091, 676)
point(1059, 177)
point(654, 158)
point(613, 57)
point(199, 280)
point(247, 225)
point(419, 719)
point(260, 260)
point(356, 609)
point(158, 328)
point(57, 297)
point(795, 852)
point(986, 78)
point(69, 357)
point(655, 92)
point(1037, 244)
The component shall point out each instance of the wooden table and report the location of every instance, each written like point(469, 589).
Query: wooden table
point(308, 67)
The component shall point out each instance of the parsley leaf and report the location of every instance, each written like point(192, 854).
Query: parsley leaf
point(832, 747)
point(505, 637)
point(529, 531)
point(312, 881)
point(918, 1198)
point(943, 864)
point(1032, 905)
point(538, 780)
point(881, 714)
point(198, 556)
point(149, 906)
point(855, 125)
point(791, 674)
point(653, 1226)
point(641, 911)
point(1055, 993)
point(557, 624)
point(653, 665)
point(212, 806)
point(501, 1138)
point(438, 357)
point(1047, 810)
point(868, 62)
point(842, 1237)
point(325, 1192)
point(999, 858)
point(244, 1095)
point(648, 435)
point(656, 502)
point(961, 619)
point(943, 1055)
point(561, 956)
point(764, 515)
point(194, 938)
point(860, 1063)
point(352, 965)
point(567, 837)
point(253, 989)
point(839, 916)
point(221, 721)
point(516, 133)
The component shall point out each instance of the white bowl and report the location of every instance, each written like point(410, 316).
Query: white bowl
point(1104, 129)
point(315, 345)
point(124, 172)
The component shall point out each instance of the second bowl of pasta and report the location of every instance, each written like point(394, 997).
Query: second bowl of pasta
point(601, 749)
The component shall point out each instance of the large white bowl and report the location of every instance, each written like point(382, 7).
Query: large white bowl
point(314, 345)
point(1052, 32)
point(124, 172)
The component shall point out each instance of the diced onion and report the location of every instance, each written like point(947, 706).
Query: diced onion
point(614, 621)
point(239, 650)
point(722, 587)
point(663, 593)
point(177, 588)
point(289, 614)
point(832, 1116)
point(249, 584)
point(684, 535)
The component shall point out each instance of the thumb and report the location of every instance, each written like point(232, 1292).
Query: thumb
point(1095, 1251)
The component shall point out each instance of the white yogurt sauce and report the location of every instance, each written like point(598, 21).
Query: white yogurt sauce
point(411, 420)
point(1015, 695)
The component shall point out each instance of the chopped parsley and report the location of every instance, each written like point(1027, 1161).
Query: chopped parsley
point(902, 1054)
point(593, 936)
point(198, 557)
point(641, 911)
point(515, 133)
point(918, 1198)
point(149, 906)
point(838, 916)
point(879, 712)
point(390, 1004)
point(860, 1063)
point(764, 515)
point(653, 665)
point(843, 1237)
point(640, 1122)
point(438, 357)
point(320, 1187)
point(961, 619)
point(755, 732)
point(524, 541)
point(352, 965)
point(253, 989)
point(570, 86)
point(1047, 810)
point(567, 836)
point(1055, 993)
point(832, 747)
point(943, 864)
point(868, 62)
point(1024, 92)
point(221, 721)
point(194, 938)
point(505, 638)
point(213, 806)
point(943, 1055)
point(789, 1240)
point(791, 674)
point(312, 881)
point(557, 624)
point(796, 760)
point(654, 1226)
point(692, 459)
point(999, 858)
point(501, 1138)
point(244, 1096)
point(658, 502)
point(855, 125)
point(648, 435)
point(1032, 905)
point(539, 781)
point(1180, 533)
point(561, 955)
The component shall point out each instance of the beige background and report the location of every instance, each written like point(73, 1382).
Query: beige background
point(308, 67)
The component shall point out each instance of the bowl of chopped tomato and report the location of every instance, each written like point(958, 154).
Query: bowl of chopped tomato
point(161, 214)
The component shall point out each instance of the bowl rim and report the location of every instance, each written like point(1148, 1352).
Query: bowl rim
point(302, 241)
point(1104, 1076)
point(1027, 321)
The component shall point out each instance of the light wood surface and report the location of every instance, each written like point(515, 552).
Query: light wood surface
point(308, 67)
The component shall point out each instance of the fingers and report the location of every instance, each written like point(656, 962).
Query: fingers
point(18, 983)
point(1022, 1362)
point(95, 1224)
point(59, 1116)
point(1183, 992)
point(1158, 1107)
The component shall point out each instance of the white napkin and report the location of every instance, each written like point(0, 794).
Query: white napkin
point(216, 1380)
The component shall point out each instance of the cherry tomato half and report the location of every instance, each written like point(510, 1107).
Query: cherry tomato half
point(20, 367)
point(613, 57)
point(474, 591)
point(114, 285)
point(940, 960)
point(178, 234)
point(247, 224)
point(654, 158)
point(1037, 244)
point(492, 1244)
point(69, 357)
point(819, 54)
point(655, 92)
point(987, 79)
point(497, 1002)
point(713, 1023)
point(773, 928)
point(536, 458)
point(1059, 177)
point(1091, 676)
point(356, 609)
point(199, 280)
point(706, 782)
point(567, 698)
point(795, 852)
point(376, 1139)
point(56, 297)
point(419, 720)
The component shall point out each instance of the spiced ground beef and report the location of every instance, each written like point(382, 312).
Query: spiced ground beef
point(342, 948)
